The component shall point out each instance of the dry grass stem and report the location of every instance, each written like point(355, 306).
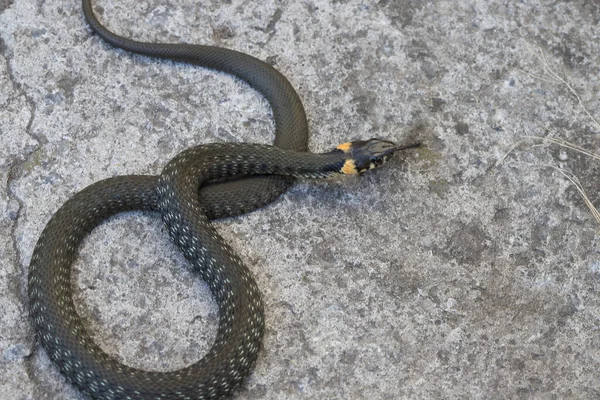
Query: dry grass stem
point(554, 140)
point(575, 181)
point(550, 76)
point(555, 78)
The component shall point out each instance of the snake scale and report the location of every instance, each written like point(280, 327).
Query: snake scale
point(187, 197)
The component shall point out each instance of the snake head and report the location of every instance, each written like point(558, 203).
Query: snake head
point(364, 155)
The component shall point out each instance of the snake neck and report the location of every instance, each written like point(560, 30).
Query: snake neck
point(216, 161)
point(315, 166)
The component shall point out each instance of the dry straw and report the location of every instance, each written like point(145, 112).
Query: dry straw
point(550, 76)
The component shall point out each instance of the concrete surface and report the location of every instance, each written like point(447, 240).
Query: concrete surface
point(439, 276)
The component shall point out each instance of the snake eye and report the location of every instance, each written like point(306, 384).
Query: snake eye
point(377, 161)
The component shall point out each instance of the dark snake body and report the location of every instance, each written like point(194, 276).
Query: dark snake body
point(186, 214)
point(291, 128)
point(175, 195)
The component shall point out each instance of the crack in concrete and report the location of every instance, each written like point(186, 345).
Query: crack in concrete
point(15, 172)
point(29, 364)
point(271, 28)
point(21, 291)
point(273, 22)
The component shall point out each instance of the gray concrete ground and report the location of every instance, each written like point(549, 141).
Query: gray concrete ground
point(439, 276)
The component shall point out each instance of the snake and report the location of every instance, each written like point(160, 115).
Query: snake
point(199, 184)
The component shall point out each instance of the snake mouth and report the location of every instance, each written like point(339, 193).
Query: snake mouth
point(372, 153)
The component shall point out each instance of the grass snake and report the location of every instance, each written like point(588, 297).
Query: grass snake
point(186, 195)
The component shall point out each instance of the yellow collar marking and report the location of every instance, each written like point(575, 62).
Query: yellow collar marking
point(345, 147)
point(349, 168)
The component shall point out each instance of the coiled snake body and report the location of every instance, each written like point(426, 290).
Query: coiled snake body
point(267, 172)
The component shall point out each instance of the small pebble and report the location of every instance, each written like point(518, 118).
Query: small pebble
point(562, 156)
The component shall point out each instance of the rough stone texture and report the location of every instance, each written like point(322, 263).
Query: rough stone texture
point(438, 277)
